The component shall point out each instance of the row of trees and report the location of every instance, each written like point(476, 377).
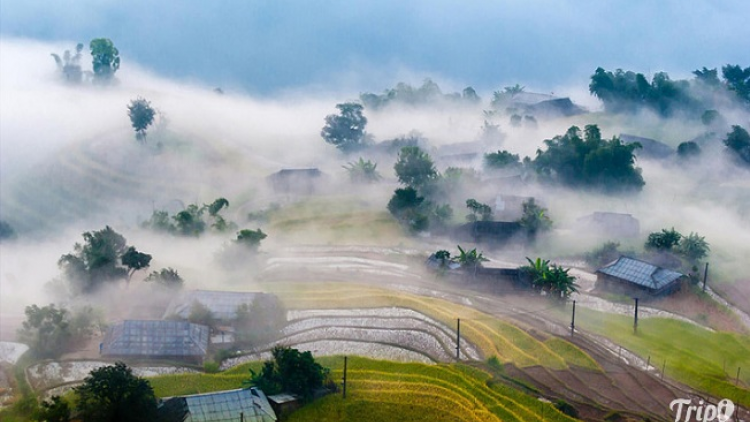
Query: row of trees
point(191, 221)
point(105, 61)
point(429, 93)
point(692, 247)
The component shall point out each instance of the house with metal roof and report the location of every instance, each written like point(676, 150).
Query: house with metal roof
point(636, 277)
point(223, 305)
point(241, 405)
point(611, 224)
point(140, 339)
point(296, 181)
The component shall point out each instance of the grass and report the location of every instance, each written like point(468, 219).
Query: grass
point(693, 355)
point(492, 336)
point(378, 390)
point(186, 384)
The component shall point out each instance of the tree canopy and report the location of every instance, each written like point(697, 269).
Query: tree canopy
point(46, 330)
point(553, 280)
point(100, 260)
point(113, 394)
point(589, 161)
point(415, 168)
point(738, 142)
point(105, 59)
point(429, 93)
point(289, 371)
point(141, 117)
point(346, 130)
point(166, 277)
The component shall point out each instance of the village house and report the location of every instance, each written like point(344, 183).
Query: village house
point(154, 339)
point(241, 405)
point(296, 181)
point(637, 278)
point(611, 224)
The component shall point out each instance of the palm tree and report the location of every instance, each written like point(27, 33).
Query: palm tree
point(471, 258)
point(554, 280)
point(363, 171)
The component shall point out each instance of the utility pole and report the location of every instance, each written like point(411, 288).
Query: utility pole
point(458, 339)
point(573, 320)
point(635, 321)
point(242, 417)
point(705, 277)
point(344, 389)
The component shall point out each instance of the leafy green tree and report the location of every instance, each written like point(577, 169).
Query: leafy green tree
point(738, 81)
point(141, 117)
point(688, 149)
point(250, 238)
point(738, 141)
point(470, 259)
point(69, 65)
point(54, 410)
point(484, 210)
point(415, 168)
point(166, 277)
point(113, 394)
point(534, 219)
point(105, 59)
point(346, 130)
point(553, 280)
point(189, 222)
point(216, 206)
point(693, 247)
point(134, 261)
point(46, 330)
point(443, 257)
point(589, 162)
point(96, 261)
point(409, 209)
point(363, 171)
point(710, 117)
point(665, 240)
point(290, 371)
point(708, 77)
point(500, 160)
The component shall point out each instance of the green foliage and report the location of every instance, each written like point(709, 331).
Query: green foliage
point(429, 93)
point(693, 247)
point(738, 141)
point(216, 206)
point(709, 117)
point(534, 219)
point(415, 168)
point(189, 222)
point(500, 160)
point(484, 210)
point(46, 330)
point(664, 240)
point(290, 371)
point(688, 149)
point(54, 410)
point(346, 130)
point(406, 206)
point(141, 117)
point(105, 59)
point(553, 280)
point(134, 260)
point(113, 394)
point(738, 81)
point(363, 171)
point(250, 239)
point(260, 322)
point(603, 255)
point(592, 162)
point(211, 367)
point(99, 260)
point(6, 231)
point(444, 257)
point(470, 259)
point(167, 278)
point(69, 65)
point(501, 99)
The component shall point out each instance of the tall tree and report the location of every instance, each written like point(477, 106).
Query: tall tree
point(46, 330)
point(134, 261)
point(738, 141)
point(346, 130)
point(738, 81)
point(415, 168)
point(105, 59)
point(113, 394)
point(69, 65)
point(141, 117)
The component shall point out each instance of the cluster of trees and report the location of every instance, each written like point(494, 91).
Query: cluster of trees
point(692, 247)
point(103, 257)
point(105, 61)
point(589, 161)
point(501, 159)
point(192, 220)
point(50, 331)
point(427, 94)
point(468, 260)
point(627, 91)
point(416, 170)
point(738, 142)
point(290, 371)
point(552, 280)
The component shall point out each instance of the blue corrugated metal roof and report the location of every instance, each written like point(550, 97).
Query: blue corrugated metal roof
point(156, 338)
point(226, 406)
point(640, 273)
